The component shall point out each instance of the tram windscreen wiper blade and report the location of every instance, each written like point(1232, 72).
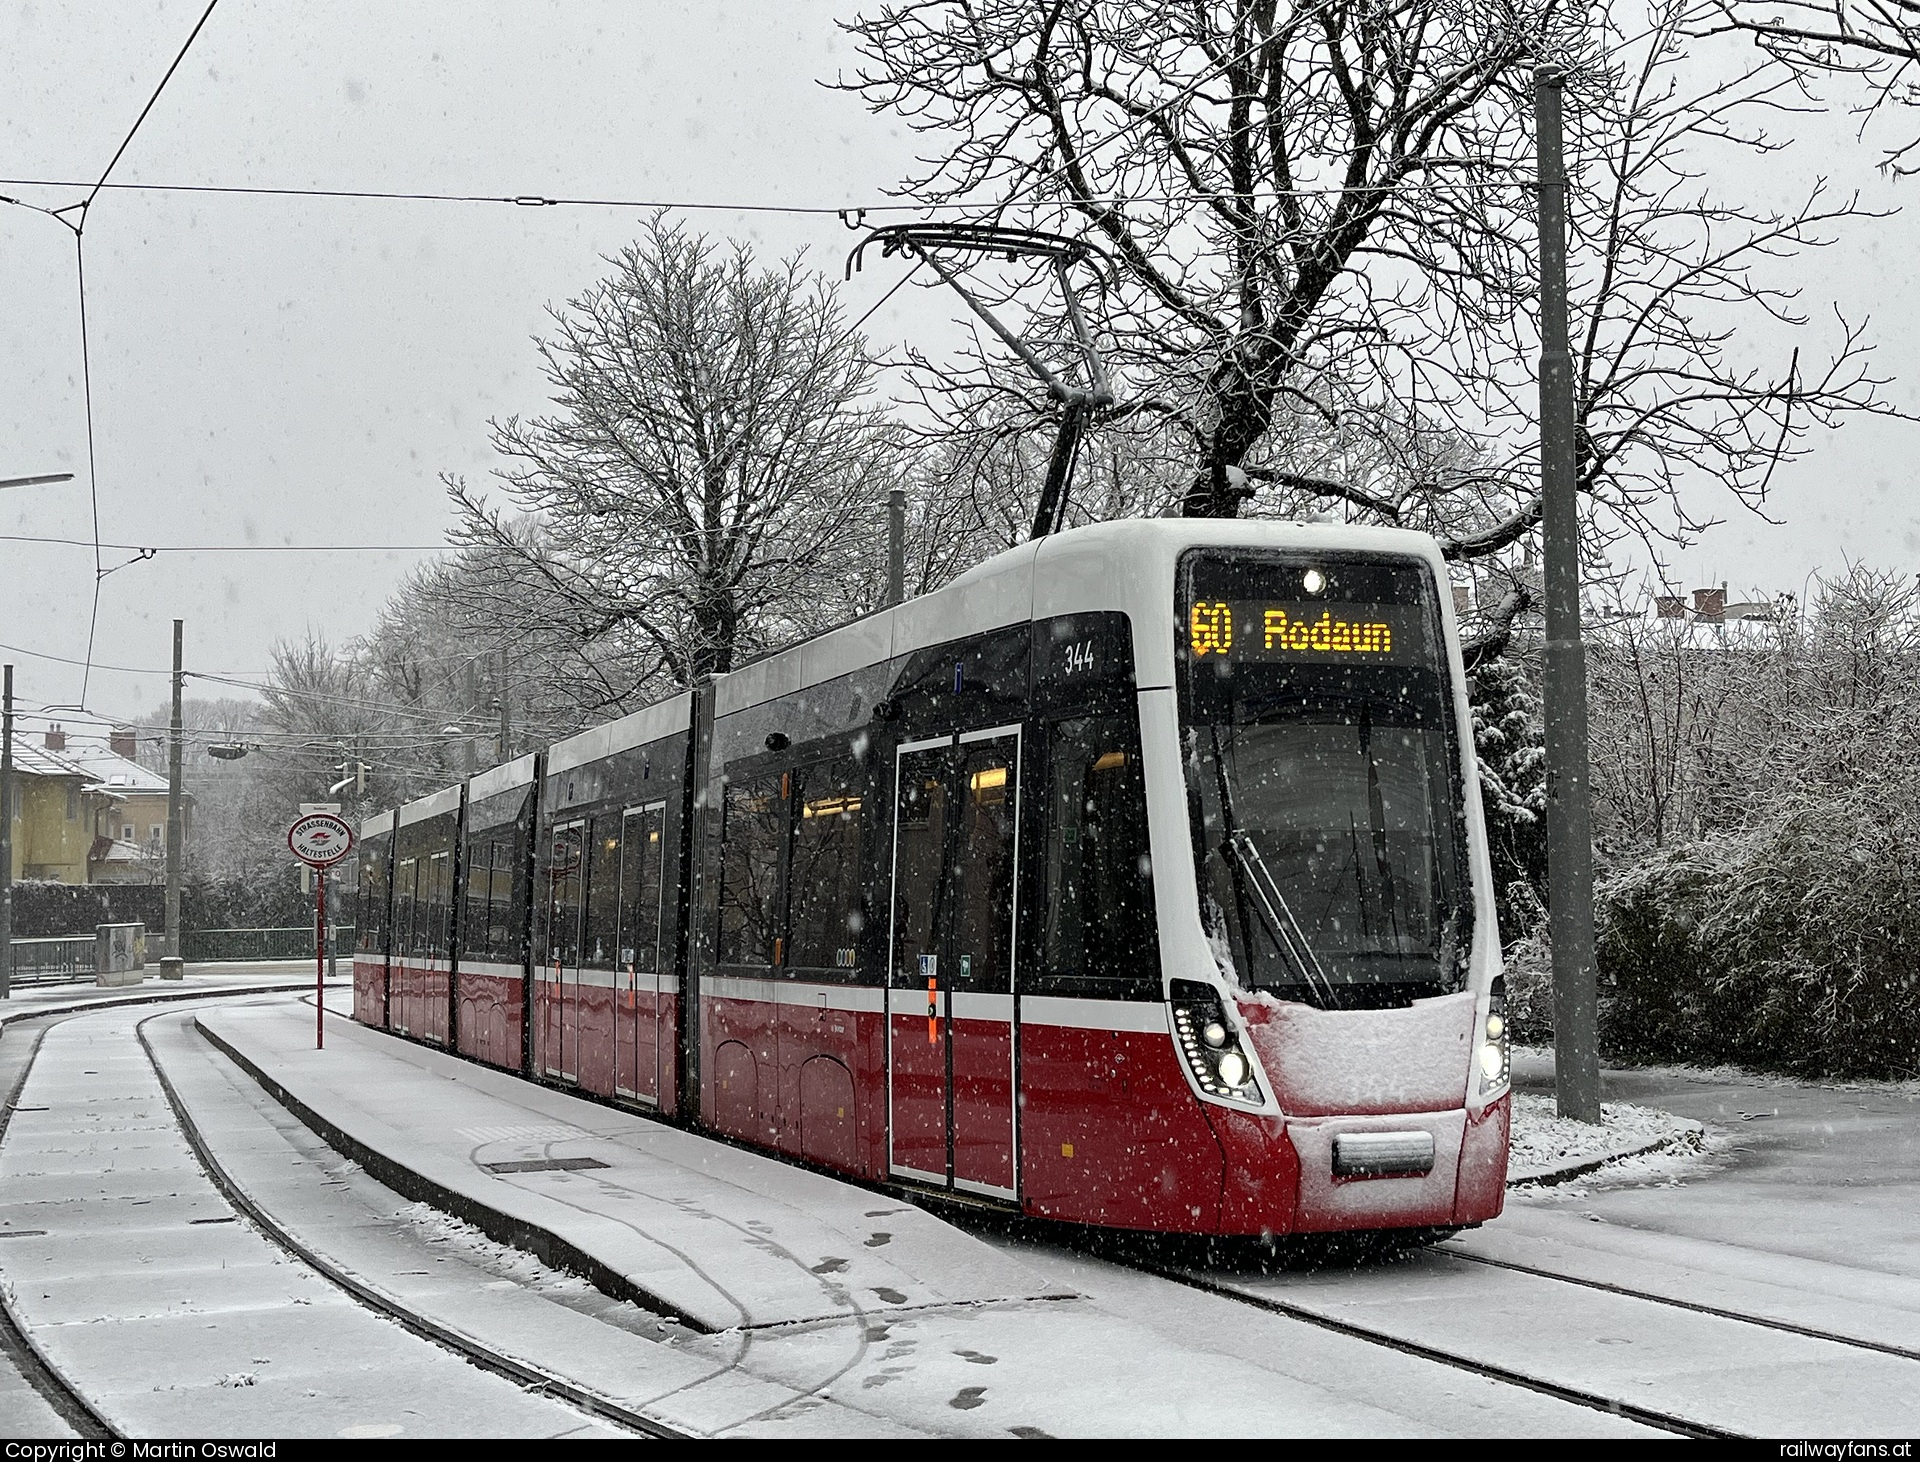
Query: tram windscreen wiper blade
point(1276, 914)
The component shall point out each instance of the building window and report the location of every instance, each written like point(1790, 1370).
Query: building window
point(155, 833)
point(126, 833)
point(73, 803)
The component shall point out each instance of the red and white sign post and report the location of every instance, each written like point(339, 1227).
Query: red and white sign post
point(320, 840)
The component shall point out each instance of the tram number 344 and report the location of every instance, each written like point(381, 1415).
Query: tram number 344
point(1080, 658)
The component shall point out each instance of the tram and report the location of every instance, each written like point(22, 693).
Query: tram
point(1136, 878)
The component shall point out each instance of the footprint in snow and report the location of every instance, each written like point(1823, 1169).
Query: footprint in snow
point(830, 1266)
point(969, 1397)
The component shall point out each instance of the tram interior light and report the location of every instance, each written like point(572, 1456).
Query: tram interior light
point(1313, 581)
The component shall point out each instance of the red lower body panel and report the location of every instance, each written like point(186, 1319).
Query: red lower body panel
point(794, 1067)
point(491, 1017)
point(1481, 1192)
point(1110, 1134)
point(370, 990)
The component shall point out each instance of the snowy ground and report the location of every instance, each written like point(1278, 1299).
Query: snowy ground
point(1755, 1273)
point(1547, 1147)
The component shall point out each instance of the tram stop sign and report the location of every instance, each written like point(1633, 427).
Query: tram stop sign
point(319, 839)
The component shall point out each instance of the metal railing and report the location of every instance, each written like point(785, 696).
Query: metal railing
point(211, 946)
point(48, 961)
point(54, 959)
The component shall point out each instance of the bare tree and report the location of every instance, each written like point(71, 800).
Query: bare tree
point(1321, 219)
point(713, 462)
point(1877, 41)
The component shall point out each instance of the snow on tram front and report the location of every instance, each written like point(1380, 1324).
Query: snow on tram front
point(1136, 878)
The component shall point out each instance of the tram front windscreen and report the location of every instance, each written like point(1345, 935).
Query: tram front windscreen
point(1322, 765)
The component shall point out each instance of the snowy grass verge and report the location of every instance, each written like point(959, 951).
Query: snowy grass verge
point(1547, 1148)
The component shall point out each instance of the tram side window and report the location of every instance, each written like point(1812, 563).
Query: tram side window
point(501, 943)
point(373, 903)
point(602, 937)
point(434, 901)
point(751, 834)
point(1099, 904)
point(479, 888)
point(406, 875)
point(825, 877)
point(643, 848)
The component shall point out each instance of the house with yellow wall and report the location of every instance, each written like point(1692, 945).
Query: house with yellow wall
point(54, 815)
point(126, 802)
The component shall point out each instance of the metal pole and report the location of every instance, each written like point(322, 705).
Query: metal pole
point(171, 967)
point(6, 837)
point(319, 959)
point(506, 722)
point(470, 689)
point(1569, 826)
point(896, 545)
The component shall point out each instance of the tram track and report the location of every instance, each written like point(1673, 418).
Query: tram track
point(1490, 1370)
point(1786, 1327)
point(512, 1368)
point(15, 1343)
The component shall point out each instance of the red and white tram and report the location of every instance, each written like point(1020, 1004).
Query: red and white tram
point(1136, 878)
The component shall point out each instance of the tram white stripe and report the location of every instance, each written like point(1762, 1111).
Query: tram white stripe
point(970, 1005)
point(1098, 1015)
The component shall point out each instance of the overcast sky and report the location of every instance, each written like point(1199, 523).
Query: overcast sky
point(286, 371)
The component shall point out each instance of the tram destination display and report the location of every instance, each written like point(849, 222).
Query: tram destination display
point(1247, 611)
point(1254, 630)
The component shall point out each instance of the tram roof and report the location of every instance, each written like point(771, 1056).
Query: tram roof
point(1125, 565)
point(447, 799)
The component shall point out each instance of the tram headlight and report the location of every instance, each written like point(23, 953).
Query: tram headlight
point(1208, 1043)
point(1495, 1048)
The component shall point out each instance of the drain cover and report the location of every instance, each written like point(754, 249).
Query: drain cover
point(544, 1165)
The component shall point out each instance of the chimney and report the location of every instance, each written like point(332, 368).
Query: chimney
point(122, 743)
point(1670, 606)
point(1462, 600)
point(1710, 604)
point(56, 739)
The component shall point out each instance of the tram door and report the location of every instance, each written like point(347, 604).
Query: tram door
point(566, 899)
point(637, 1017)
point(950, 1022)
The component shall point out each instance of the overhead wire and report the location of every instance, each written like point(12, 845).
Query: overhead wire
point(78, 227)
point(239, 547)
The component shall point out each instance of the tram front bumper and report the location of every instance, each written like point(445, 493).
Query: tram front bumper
point(1295, 1175)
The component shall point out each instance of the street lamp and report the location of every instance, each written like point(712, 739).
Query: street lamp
point(36, 481)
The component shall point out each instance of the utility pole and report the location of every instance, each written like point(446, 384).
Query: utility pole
point(6, 836)
point(1576, 1054)
point(896, 545)
point(506, 719)
point(171, 967)
point(470, 691)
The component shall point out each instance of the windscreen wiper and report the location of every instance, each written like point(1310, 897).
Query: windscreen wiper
point(1277, 915)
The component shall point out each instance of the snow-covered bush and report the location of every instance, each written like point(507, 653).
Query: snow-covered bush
point(1785, 931)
